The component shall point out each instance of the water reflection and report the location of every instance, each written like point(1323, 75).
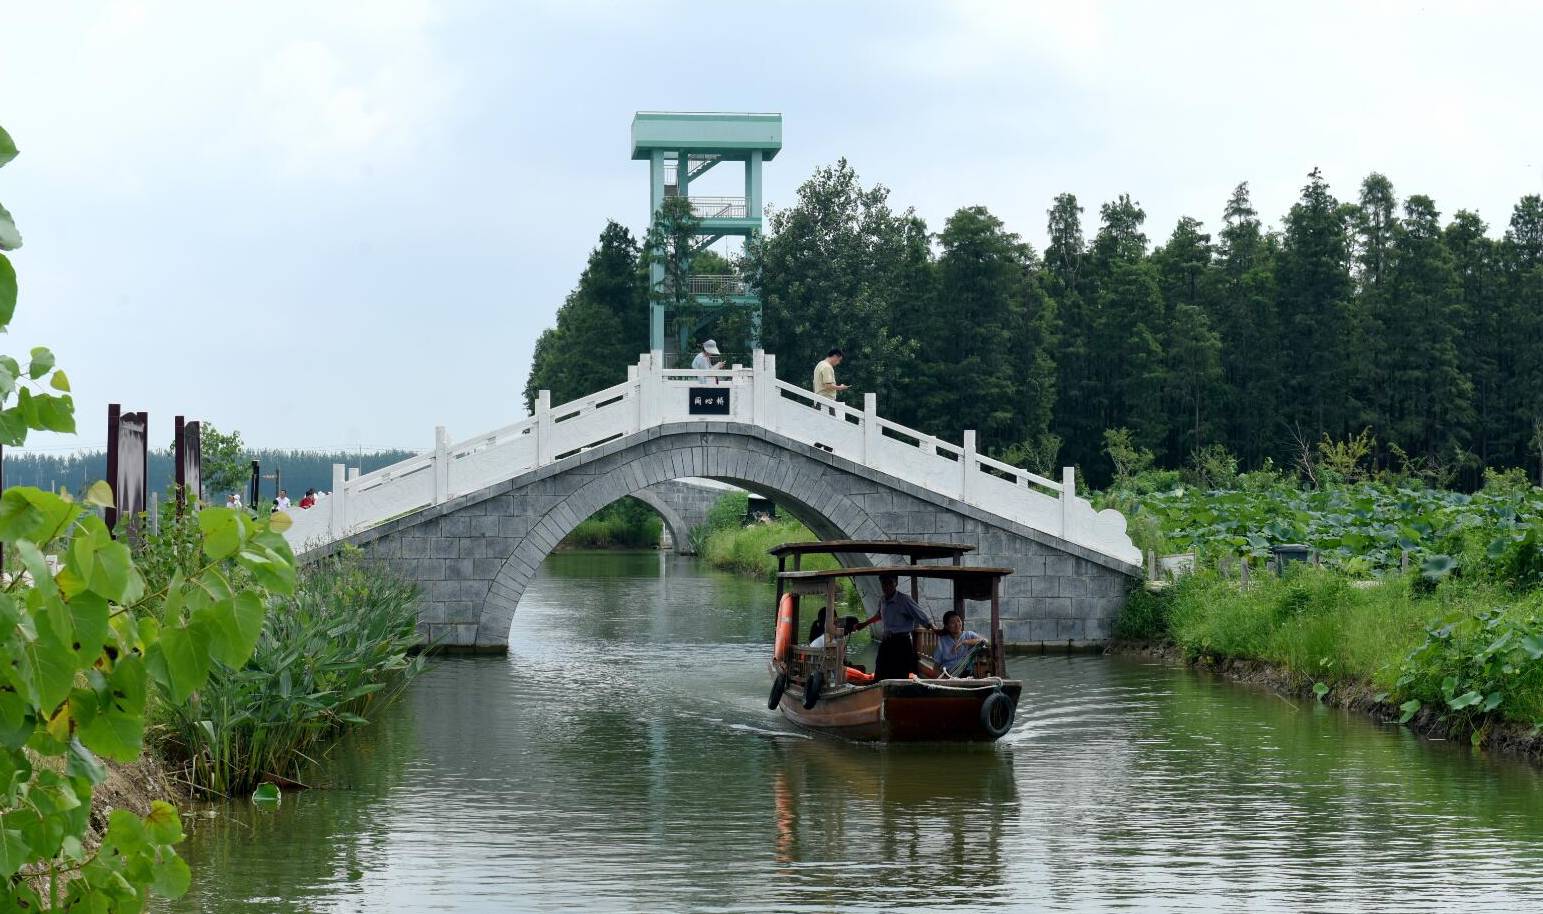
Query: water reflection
point(622, 758)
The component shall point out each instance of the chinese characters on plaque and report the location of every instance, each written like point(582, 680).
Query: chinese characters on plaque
point(708, 401)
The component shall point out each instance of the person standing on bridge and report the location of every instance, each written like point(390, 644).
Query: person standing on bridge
point(825, 374)
point(704, 359)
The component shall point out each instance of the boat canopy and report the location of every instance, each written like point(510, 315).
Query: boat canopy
point(916, 549)
point(969, 583)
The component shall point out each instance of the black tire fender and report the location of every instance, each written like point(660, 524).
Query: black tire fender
point(779, 685)
point(997, 713)
point(812, 687)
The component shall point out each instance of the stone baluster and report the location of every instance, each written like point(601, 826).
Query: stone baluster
point(337, 503)
point(441, 465)
point(1068, 492)
point(967, 467)
point(544, 442)
point(870, 428)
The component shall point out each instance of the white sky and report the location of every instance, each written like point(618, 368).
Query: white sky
point(340, 224)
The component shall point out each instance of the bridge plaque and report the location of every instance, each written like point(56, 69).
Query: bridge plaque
point(708, 401)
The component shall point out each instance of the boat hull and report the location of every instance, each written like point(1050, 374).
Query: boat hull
point(902, 710)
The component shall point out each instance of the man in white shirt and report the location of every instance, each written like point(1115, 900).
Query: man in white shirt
point(704, 359)
point(282, 502)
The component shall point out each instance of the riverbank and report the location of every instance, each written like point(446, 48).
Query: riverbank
point(1455, 660)
point(1515, 738)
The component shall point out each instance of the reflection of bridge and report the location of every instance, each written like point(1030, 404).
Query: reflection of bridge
point(472, 521)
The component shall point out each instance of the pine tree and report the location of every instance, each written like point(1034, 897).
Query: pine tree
point(1482, 328)
point(1247, 322)
point(1522, 254)
point(1428, 399)
point(1314, 298)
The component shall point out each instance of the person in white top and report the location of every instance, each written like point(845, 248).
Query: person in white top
point(704, 359)
point(233, 500)
point(282, 502)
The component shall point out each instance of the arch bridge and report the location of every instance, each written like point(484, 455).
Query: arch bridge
point(472, 521)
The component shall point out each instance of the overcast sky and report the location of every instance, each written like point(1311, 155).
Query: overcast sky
point(340, 224)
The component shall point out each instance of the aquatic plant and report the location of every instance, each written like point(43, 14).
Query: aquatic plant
point(333, 654)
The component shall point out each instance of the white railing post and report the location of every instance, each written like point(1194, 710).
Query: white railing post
point(1068, 492)
point(870, 428)
point(441, 465)
point(543, 428)
point(757, 387)
point(353, 473)
point(635, 414)
point(337, 503)
point(929, 444)
point(653, 389)
point(967, 466)
point(771, 405)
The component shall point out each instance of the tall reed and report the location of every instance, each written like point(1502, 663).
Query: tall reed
point(331, 656)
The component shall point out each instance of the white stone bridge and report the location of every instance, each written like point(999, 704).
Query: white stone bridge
point(472, 521)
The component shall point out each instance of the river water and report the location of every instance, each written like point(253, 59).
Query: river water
point(621, 758)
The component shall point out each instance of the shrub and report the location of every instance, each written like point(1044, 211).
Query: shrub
point(334, 653)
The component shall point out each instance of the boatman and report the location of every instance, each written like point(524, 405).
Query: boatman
point(900, 615)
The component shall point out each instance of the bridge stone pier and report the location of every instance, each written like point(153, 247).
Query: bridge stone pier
point(683, 505)
point(473, 522)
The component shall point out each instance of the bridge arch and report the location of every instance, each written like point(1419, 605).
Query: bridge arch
point(827, 513)
point(474, 554)
point(680, 530)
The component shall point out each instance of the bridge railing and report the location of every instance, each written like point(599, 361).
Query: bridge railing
point(654, 396)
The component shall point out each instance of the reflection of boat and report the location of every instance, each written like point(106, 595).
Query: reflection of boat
point(814, 687)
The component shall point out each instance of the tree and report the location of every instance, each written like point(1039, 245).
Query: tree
point(1483, 326)
point(1427, 404)
point(1247, 322)
point(972, 356)
point(1314, 300)
point(601, 328)
point(1522, 254)
point(840, 268)
point(224, 466)
point(1194, 368)
point(669, 249)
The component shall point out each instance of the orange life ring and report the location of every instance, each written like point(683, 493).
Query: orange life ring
point(784, 628)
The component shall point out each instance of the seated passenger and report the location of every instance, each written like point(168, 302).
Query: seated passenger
point(900, 615)
point(956, 647)
point(817, 630)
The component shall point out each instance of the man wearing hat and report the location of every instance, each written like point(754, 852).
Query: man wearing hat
point(704, 359)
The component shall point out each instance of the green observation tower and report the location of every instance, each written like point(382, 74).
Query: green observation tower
point(681, 147)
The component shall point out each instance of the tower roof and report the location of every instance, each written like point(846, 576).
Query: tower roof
point(730, 135)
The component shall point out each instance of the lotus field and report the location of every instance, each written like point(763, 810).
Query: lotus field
point(1363, 529)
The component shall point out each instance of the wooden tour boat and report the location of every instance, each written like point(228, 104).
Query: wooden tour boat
point(816, 688)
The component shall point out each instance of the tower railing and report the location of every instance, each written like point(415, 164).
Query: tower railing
point(655, 396)
point(717, 284)
point(718, 207)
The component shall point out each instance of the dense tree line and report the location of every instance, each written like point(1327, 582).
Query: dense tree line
point(1368, 314)
point(298, 470)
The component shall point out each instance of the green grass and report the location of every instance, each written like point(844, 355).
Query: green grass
point(1469, 650)
point(328, 658)
point(744, 549)
point(625, 524)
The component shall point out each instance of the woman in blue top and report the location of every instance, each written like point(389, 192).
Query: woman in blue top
point(956, 647)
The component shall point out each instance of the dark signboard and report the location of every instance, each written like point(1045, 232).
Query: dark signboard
point(189, 458)
point(708, 401)
point(128, 464)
